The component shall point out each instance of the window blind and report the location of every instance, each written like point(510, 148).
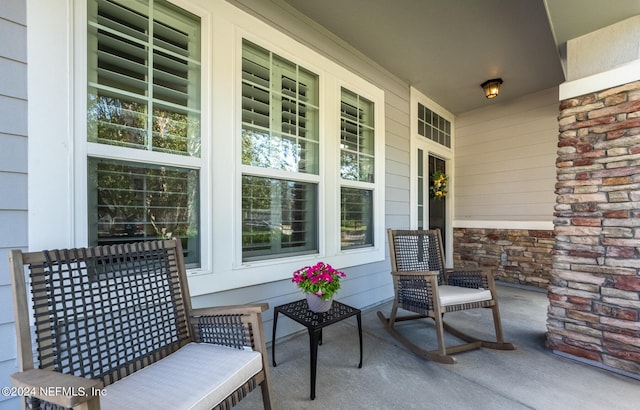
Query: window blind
point(144, 76)
point(279, 112)
point(356, 138)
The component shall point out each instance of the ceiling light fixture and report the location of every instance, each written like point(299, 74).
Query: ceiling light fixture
point(491, 87)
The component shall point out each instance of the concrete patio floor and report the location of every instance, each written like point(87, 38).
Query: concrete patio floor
point(391, 377)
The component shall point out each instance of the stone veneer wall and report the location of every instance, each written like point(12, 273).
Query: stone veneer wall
point(595, 289)
point(520, 256)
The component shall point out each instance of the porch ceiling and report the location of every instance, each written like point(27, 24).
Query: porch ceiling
point(447, 48)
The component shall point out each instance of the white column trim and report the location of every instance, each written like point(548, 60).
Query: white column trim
point(621, 75)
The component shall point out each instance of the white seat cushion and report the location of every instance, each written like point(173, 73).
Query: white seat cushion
point(198, 376)
point(456, 295)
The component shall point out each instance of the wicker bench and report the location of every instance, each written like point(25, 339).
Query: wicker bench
point(114, 329)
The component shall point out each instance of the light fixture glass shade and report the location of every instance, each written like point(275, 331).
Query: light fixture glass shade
point(491, 87)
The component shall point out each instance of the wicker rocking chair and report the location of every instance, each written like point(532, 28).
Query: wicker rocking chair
point(423, 286)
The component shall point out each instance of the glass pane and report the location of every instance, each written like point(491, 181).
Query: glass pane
point(175, 131)
point(261, 149)
point(356, 218)
point(349, 168)
point(366, 145)
point(366, 165)
point(116, 120)
point(255, 105)
point(135, 202)
point(279, 218)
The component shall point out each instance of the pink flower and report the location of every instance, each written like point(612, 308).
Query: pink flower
point(321, 279)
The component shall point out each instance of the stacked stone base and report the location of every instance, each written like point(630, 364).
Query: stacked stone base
point(519, 256)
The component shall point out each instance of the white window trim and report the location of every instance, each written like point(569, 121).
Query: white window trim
point(431, 148)
point(50, 106)
point(58, 149)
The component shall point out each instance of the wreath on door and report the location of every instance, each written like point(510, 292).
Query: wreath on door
point(438, 185)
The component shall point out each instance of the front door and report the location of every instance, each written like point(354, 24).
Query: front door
point(437, 206)
point(431, 210)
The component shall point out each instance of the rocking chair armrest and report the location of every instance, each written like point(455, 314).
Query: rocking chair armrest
point(471, 278)
point(425, 273)
point(415, 279)
point(62, 389)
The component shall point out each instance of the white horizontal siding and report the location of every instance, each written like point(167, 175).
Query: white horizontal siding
point(13, 172)
point(13, 192)
point(13, 116)
point(505, 160)
point(15, 48)
point(14, 11)
point(14, 81)
point(13, 155)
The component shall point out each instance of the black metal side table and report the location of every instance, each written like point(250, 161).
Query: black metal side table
point(314, 322)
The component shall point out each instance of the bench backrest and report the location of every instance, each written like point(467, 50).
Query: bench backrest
point(101, 312)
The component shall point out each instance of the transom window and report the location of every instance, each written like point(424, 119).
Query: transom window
point(433, 126)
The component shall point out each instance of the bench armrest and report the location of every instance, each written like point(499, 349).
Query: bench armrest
point(230, 310)
point(62, 389)
point(234, 326)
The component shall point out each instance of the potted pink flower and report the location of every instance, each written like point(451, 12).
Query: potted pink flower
point(320, 282)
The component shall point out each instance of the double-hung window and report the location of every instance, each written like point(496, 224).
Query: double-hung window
point(143, 123)
point(357, 166)
point(280, 156)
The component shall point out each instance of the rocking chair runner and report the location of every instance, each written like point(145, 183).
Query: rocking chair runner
point(423, 286)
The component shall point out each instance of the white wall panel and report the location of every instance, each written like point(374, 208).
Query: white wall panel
point(505, 160)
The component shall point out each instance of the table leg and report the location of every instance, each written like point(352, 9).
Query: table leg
point(273, 338)
point(360, 337)
point(314, 337)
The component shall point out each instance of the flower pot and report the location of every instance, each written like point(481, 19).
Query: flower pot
point(318, 305)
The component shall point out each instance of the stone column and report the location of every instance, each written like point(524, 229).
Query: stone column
point(594, 292)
